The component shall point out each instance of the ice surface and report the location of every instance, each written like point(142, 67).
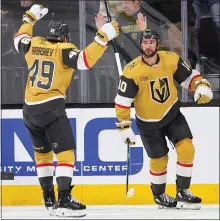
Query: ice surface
point(115, 212)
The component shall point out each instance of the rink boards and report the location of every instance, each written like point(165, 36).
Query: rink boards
point(100, 169)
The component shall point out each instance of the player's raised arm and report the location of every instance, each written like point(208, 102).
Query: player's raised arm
point(127, 91)
point(141, 22)
point(193, 81)
point(22, 40)
point(84, 59)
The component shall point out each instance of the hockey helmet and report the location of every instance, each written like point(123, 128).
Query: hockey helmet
point(150, 34)
point(57, 30)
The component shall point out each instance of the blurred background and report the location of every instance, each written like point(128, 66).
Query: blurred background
point(189, 28)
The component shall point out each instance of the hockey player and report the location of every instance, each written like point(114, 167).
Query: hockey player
point(148, 80)
point(51, 63)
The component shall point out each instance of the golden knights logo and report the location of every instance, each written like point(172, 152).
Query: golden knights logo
point(160, 90)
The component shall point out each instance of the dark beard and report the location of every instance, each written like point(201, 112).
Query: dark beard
point(148, 56)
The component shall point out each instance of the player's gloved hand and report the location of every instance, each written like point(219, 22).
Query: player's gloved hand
point(107, 32)
point(203, 93)
point(35, 13)
point(126, 132)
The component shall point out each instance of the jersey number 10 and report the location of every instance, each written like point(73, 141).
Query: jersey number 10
point(122, 86)
point(42, 74)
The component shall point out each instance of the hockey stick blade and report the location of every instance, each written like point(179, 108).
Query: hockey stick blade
point(130, 193)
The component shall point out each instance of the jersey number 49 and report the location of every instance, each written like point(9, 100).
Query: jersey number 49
point(41, 74)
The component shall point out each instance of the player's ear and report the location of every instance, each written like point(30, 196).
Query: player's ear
point(158, 44)
point(66, 39)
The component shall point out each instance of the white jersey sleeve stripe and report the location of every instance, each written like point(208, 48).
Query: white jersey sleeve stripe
point(123, 101)
point(18, 38)
point(82, 63)
point(187, 83)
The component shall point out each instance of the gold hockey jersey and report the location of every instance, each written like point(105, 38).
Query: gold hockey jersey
point(153, 90)
point(51, 65)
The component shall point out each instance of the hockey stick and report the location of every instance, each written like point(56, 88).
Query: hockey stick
point(129, 192)
point(117, 58)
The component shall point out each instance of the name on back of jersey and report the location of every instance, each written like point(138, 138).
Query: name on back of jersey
point(42, 51)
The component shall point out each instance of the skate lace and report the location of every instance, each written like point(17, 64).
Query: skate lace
point(74, 200)
point(49, 200)
point(167, 198)
point(188, 193)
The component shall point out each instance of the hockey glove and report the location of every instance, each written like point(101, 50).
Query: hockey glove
point(35, 13)
point(126, 132)
point(203, 93)
point(107, 32)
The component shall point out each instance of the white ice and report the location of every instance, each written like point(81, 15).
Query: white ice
point(115, 212)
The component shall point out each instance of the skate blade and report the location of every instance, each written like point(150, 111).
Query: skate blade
point(63, 212)
point(165, 207)
point(188, 206)
point(52, 212)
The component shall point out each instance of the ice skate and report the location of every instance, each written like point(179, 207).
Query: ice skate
point(50, 201)
point(163, 200)
point(69, 207)
point(187, 201)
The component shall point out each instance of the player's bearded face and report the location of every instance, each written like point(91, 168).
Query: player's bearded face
point(149, 47)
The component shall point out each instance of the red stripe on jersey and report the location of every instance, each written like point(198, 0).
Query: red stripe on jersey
point(184, 165)
point(158, 174)
point(21, 34)
point(85, 60)
point(121, 106)
point(65, 165)
point(44, 165)
point(198, 75)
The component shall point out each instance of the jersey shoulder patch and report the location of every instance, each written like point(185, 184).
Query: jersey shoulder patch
point(74, 52)
point(133, 64)
point(167, 53)
point(169, 56)
point(25, 40)
point(131, 67)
